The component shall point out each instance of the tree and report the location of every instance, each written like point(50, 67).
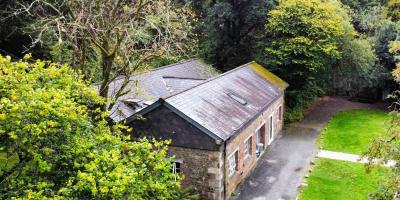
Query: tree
point(356, 70)
point(14, 40)
point(386, 33)
point(303, 39)
point(116, 38)
point(395, 49)
point(368, 20)
point(231, 30)
point(55, 143)
point(387, 147)
point(393, 9)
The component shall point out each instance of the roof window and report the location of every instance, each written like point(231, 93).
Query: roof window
point(237, 98)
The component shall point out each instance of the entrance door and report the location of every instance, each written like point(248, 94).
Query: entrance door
point(270, 129)
point(260, 140)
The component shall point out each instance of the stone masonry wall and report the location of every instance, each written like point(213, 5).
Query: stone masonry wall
point(245, 165)
point(204, 169)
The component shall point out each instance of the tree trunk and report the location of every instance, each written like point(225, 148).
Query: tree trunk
point(107, 61)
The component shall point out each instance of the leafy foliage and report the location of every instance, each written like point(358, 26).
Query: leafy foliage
point(356, 70)
point(302, 37)
point(387, 147)
point(384, 148)
point(303, 40)
point(108, 39)
point(393, 9)
point(386, 33)
point(55, 144)
point(231, 29)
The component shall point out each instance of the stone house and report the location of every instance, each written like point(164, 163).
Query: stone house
point(218, 127)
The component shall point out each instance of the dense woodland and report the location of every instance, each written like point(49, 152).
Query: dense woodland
point(53, 132)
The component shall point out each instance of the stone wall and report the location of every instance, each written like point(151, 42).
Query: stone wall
point(163, 124)
point(244, 166)
point(203, 169)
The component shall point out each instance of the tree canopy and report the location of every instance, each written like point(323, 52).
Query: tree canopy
point(231, 30)
point(108, 39)
point(54, 139)
point(310, 44)
point(303, 36)
point(55, 143)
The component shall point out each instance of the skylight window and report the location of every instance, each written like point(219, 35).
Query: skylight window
point(237, 98)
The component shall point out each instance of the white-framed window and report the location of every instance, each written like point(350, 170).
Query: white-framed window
point(280, 114)
point(176, 167)
point(247, 147)
point(270, 129)
point(233, 163)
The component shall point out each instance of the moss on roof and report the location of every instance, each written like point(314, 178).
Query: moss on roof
point(270, 77)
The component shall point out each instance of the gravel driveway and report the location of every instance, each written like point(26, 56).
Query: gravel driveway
point(280, 170)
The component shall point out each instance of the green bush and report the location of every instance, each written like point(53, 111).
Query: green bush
point(58, 144)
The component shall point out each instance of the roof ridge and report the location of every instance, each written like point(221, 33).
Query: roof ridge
point(210, 79)
point(178, 77)
point(155, 69)
point(171, 65)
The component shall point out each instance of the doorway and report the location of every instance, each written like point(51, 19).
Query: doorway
point(260, 140)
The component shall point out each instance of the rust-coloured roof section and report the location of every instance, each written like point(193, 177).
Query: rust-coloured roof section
point(226, 103)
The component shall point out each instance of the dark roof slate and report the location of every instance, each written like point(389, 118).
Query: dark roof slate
point(211, 106)
point(157, 83)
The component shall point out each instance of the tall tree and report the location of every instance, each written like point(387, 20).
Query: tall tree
point(231, 29)
point(376, 23)
point(116, 38)
point(302, 40)
point(54, 143)
point(355, 71)
point(313, 45)
point(384, 34)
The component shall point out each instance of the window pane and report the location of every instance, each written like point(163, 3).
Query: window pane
point(247, 147)
point(177, 167)
point(232, 163)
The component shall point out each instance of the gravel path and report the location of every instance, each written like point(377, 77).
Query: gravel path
point(280, 170)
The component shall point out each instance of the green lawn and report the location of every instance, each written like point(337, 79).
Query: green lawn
point(351, 131)
point(340, 180)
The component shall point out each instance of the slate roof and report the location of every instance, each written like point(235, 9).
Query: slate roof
point(212, 104)
point(223, 105)
point(160, 82)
